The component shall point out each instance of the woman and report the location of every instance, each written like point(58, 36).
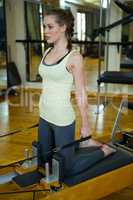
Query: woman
point(59, 68)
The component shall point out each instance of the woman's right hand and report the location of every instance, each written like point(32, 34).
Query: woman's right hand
point(85, 131)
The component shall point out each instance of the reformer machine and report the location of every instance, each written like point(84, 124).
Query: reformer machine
point(91, 181)
point(112, 77)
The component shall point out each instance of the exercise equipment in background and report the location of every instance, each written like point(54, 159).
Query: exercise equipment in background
point(13, 78)
point(127, 60)
point(115, 77)
point(122, 138)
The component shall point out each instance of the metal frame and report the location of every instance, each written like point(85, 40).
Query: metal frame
point(100, 49)
point(123, 104)
point(113, 134)
point(99, 54)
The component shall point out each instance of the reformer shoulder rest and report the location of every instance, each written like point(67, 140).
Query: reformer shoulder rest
point(116, 77)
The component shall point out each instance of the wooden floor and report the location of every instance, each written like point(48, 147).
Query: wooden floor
point(21, 112)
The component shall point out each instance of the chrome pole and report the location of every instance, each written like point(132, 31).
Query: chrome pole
point(107, 48)
point(99, 55)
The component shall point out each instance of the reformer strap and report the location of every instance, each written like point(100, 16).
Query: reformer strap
point(19, 130)
point(71, 144)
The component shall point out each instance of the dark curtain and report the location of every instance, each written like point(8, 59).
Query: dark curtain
point(2, 29)
point(92, 23)
point(33, 23)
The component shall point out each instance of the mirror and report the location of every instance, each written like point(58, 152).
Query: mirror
point(34, 30)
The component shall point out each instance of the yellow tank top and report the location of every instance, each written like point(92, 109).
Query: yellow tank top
point(55, 105)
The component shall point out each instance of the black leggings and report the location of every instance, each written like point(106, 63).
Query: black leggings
point(51, 136)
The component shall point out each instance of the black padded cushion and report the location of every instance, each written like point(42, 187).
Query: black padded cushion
point(83, 159)
point(130, 105)
point(27, 179)
point(117, 160)
point(116, 77)
point(126, 65)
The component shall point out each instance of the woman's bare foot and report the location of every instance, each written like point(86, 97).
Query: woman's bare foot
point(93, 143)
point(107, 150)
point(90, 143)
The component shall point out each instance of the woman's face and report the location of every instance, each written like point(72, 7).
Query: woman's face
point(52, 30)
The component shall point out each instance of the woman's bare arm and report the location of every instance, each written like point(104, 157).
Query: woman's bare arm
point(76, 67)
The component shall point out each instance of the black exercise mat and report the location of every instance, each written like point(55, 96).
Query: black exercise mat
point(28, 179)
point(117, 160)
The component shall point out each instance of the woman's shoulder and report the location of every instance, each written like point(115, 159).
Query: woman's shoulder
point(75, 51)
point(75, 55)
point(75, 60)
